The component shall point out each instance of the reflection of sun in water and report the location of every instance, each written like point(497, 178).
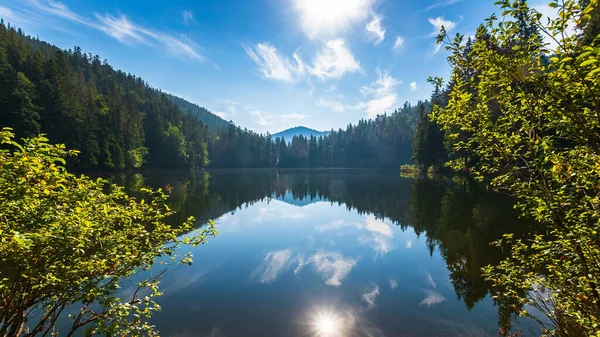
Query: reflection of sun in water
point(327, 324)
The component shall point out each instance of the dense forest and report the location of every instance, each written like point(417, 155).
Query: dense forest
point(114, 119)
point(117, 121)
point(521, 113)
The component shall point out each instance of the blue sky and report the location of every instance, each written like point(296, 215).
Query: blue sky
point(265, 64)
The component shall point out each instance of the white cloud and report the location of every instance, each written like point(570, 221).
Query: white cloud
point(439, 22)
point(370, 297)
point(333, 267)
point(375, 29)
point(272, 64)
point(382, 94)
point(442, 3)
point(413, 86)
point(293, 116)
point(337, 106)
point(122, 29)
point(263, 119)
point(187, 16)
point(326, 18)
point(409, 244)
point(220, 114)
point(334, 60)
point(393, 284)
point(432, 298)
point(273, 265)
point(398, 43)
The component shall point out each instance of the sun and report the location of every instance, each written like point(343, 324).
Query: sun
point(330, 16)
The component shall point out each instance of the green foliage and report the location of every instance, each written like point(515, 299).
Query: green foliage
point(533, 124)
point(114, 119)
point(67, 243)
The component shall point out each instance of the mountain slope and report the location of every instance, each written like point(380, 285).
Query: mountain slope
point(212, 121)
point(297, 131)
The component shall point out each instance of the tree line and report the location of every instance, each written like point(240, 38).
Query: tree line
point(383, 142)
point(119, 122)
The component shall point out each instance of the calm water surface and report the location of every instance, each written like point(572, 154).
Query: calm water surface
point(332, 253)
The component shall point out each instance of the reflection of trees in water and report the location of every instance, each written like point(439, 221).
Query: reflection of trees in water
point(460, 219)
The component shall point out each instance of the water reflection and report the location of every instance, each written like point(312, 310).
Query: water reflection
point(333, 253)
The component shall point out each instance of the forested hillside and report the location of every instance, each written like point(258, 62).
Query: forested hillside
point(115, 119)
point(212, 121)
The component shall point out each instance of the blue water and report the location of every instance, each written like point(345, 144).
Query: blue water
point(334, 253)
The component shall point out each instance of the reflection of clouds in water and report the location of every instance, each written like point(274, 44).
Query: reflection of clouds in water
point(333, 267)
point(378, 226)
point(370, 297)
point(273, 265)
point(409, 244)
point(379, 233)
point(393, 284)
point(269, 213)
point(430, 281)
point(336, 225)
point(432, 298)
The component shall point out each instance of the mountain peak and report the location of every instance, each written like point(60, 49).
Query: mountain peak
point(303, 131)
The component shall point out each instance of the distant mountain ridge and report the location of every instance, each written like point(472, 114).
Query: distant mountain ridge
point(297, 131)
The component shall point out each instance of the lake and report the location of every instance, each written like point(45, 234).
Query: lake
point(332, 253)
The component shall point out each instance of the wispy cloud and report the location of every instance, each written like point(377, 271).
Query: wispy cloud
point(432, 298)
point(122, 29)
point(220, 114)
point(272, 64)
point(292, 116)
point(262, 118)
point(334, 60)
point(370, 297)
point(382, 94)
point(375, 29)
point(325, 18)
point(188, 17)
point(442, 3)
point(398, 43)
point(338, 106)
point(437, 24)
point(413, 86)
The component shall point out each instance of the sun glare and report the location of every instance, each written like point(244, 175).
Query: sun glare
point(327, 324)
point(329, 16)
